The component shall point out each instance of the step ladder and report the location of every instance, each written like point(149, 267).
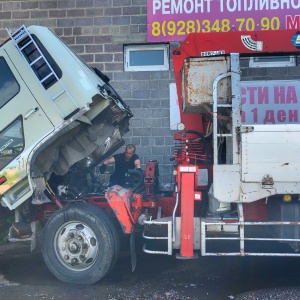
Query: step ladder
point(238, 246)
point(160, 222)
point(26, 46)
point(234, 75)
point(32, 237)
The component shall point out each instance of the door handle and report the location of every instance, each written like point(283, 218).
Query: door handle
point(32, 111)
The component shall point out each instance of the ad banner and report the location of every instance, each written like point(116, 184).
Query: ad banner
point(173, 20)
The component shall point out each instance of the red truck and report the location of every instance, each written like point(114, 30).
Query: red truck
point(235, 184)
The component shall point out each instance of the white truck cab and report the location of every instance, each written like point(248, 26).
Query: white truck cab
point(55, 111)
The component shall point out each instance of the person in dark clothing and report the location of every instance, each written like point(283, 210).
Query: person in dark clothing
point(125, 161)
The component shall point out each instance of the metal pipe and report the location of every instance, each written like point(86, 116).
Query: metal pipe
point(173, 215)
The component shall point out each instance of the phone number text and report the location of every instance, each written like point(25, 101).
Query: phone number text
point(170, 28)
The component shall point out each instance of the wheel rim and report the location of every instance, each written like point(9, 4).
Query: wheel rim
point(76, 246)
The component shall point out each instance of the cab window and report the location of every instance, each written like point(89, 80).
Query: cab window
point(11, 142)
point(9, 87)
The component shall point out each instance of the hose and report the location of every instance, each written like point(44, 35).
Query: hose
point(140, 184)
point(202, 137)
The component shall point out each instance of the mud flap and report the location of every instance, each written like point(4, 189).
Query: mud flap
point(132, 250)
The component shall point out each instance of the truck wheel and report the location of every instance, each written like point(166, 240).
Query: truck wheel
point(80, 244)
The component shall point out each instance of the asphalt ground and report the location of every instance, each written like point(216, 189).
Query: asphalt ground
point(24, 275)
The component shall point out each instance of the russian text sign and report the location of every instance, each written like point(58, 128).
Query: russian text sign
point(270, 102)
point(173, 20)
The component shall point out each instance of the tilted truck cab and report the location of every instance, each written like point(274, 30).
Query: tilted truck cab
point(55, 112)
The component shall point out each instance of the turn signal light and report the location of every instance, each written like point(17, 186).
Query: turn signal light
point(2, 179)
point(287, 198)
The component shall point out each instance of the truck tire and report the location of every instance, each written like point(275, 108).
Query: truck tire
point(80, 244)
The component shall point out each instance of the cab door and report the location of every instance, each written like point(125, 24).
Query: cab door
point(23, 122)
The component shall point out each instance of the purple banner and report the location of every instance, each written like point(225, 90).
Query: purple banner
point(173, 20)
point(270, 102)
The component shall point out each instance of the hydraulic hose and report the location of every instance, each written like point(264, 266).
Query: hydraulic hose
point(140, 184)
point(202, 137)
